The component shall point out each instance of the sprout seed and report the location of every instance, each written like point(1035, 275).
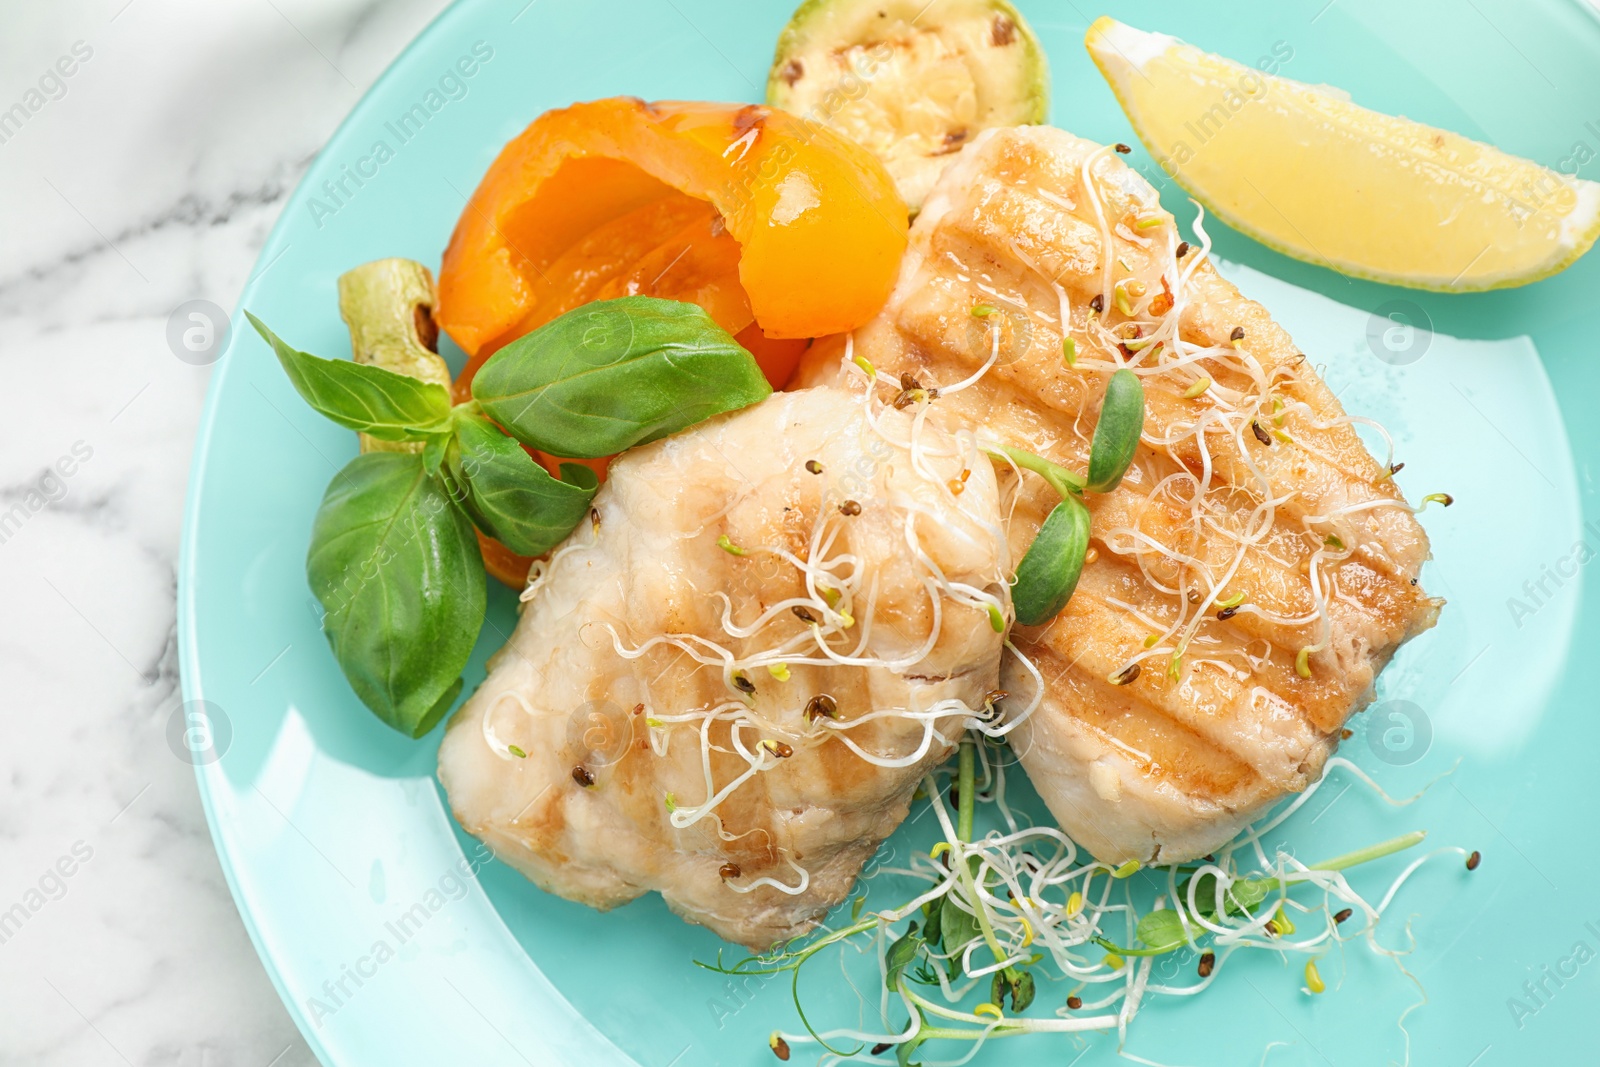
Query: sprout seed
point(1314, 978)
point(1341, 915)
point(1069, 351)
point(1074, 1002)
point(803, 613)
point(727, 545)
point(1261, 434)
point(908, 397)
point(583, 776)
point(780, 1047)
point(850, 507)
point(821, 706)
point(1097, 303)
point(1122, 148)
point(813, 466)
point(742, 683)
point(1474, 859)
point(1302, 662)
point(1199, 387)
point(1125, 675)
point(983, 311)
point(1183, 249)
point(516, 751)
point(1237, 334)
point(1208, 963)
point(730, 870)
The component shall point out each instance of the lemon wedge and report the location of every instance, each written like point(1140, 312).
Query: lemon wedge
point(1303, 170)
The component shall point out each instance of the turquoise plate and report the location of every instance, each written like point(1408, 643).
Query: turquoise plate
point(394, 941)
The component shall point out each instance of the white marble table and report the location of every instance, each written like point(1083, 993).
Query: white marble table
point(154, 146)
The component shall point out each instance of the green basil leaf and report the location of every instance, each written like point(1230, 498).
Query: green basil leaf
point(509, 496)
point(1116, 436)
point(378, 402)
point(433, 453)
point(900, 955)
point(1049, 571)
point(617, 373)
point(1161, 930)
point(397, 569)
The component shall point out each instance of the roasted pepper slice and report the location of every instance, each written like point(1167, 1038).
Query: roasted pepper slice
point(620, 196)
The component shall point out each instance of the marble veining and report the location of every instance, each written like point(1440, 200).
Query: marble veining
point(148, 177)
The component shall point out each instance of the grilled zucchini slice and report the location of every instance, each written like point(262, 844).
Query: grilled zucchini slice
point(912, 80)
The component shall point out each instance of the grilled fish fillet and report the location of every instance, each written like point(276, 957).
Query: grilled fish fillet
point(1250, 487)
point(653, 669)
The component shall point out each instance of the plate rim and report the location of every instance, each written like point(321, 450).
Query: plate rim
point(190, 680)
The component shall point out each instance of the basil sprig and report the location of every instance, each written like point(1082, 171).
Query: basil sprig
point(1049, 572)
point(393, 558)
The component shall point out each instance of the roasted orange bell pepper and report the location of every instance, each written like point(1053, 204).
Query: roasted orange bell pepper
point(781, 230)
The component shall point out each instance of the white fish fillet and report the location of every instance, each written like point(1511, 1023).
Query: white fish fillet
point(908, 636)
point(1305, 526)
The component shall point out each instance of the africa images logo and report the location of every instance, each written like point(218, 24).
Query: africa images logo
point(338, 191)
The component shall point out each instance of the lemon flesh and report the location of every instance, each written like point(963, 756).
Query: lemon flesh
point(1303, 170)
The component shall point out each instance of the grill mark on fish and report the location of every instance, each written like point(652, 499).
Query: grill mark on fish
point(1006, 220)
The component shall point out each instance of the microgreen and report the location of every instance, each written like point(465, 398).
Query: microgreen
point(1116, 436)
point(963, 943)
point(1049, 572)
